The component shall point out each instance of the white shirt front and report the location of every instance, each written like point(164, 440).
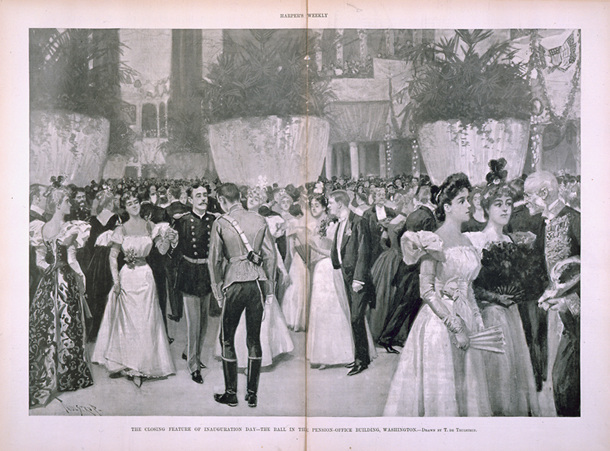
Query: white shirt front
point(380, 211)
point(340, 233)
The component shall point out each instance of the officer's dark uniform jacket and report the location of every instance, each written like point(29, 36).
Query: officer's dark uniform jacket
point(192, 252)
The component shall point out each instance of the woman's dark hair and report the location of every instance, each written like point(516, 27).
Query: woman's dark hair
point(129, 195)
point(493, 192)
point(321, 199)
point(295, 210)
point(146, 210)
point(496, 185)
point(477, 189)
point(424, 180)
point(449, 191)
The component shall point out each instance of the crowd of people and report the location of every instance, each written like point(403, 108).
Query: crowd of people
point(460, 276)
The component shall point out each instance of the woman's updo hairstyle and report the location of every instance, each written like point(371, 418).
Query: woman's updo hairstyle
point(128, 195)
point(448, 191)
point(321, 199)
point(105, 198)
point(55, 196)
point(424, 180)
point(496, 185)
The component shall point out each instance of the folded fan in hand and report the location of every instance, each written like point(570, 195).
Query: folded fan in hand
point(490, 339)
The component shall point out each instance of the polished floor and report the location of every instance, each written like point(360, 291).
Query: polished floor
point(289, 388)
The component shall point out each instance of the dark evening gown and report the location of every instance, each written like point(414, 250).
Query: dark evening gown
point(509, 375)
point(98, 275)
point(383, 272)
point(57, 360)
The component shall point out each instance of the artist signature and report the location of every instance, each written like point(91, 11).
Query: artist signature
point(81, 410)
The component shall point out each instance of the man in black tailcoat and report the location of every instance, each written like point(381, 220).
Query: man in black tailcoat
point(378, 218)
point(351, 251)
point(407, 301)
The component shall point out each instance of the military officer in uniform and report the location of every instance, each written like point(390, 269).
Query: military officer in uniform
point(561, 235)
point(193, 278)
point(242, 271)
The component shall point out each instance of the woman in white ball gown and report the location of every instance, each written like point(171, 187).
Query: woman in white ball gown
point(439, 374)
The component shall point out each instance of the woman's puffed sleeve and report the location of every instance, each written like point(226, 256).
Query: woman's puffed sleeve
point(414, 245)
point(75, 233)
point(118, 236)
point(105, 239)
point(36, 233)
point(37, 242)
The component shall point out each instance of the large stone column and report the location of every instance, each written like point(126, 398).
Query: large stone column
point(389, 41)
point(340, 47)
point(339, 162)
point(158, 121)
point(318, 51)
point(138, 129)
point(383, 164)
point(354, 160)
point(329, 162)
point(362, 37)
point(362, 159)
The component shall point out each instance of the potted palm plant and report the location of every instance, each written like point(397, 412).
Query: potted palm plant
point(263, 101)
point(75, 103)
point(470, 102)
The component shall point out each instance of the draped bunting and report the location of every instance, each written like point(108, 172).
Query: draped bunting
point(358, 121)
point(69, 144)
point(450, 147)
point(284, 150)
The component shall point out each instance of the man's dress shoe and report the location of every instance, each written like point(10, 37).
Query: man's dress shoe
point(196, 376)
point(251, 398)
point(230, 399)
point(357, 369)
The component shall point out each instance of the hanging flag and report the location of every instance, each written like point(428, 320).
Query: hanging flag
point(563, 56)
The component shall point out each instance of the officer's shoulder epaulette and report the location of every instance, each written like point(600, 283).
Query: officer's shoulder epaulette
point(180, 215)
